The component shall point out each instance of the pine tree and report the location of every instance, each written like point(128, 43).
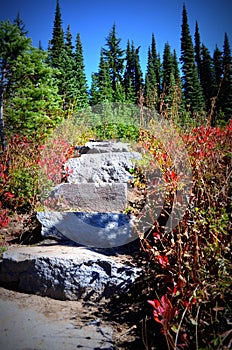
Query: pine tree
point(113, 55)
point(226, 88)
point(191, 85)
point(82, 88)
point(57, 43)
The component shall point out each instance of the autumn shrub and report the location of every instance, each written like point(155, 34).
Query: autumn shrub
point(19, 178)
point(193, 259)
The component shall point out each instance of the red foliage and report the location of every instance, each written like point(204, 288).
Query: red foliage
point(163, 312)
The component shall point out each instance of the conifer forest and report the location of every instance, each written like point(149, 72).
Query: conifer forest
point(183, 300)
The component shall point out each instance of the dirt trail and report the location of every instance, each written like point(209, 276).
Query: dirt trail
point(30, 322)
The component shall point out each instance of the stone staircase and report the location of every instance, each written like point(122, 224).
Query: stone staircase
point(93, 201)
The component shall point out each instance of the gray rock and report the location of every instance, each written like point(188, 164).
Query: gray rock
point(101, 230)
point(106, 147)
point(65, 272)
point(90, 197)
point(102, 167)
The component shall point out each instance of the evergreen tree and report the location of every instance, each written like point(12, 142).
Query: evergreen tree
point(94, 93)
point(66, 78)
point(156, 62)
point(57, 43)
point(33, 105)
point(128, 75)
point(226, 88)
point(207, 76)
point(176, 70)
point(113, 55)
point(191, 85)
point(218, 67)
point(19, 22)
point(133, 75)
point(171, 97)
point(151, 96)
point(68, 41)
point(12, 45)
point(168, 70)
point(105, 90)
point(82, 88)
point(138, 75)
point(197, 49)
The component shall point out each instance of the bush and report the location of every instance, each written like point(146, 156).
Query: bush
point(194, 258)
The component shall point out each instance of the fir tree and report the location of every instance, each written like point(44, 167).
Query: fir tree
point(66, 79)
point(218, 67)
point(168, 70)
point(12, 45)
point(105, 90)
point(68, 41)
point(133, 75)
point(151, 96)
point(57, 42)
point(226, 88)
point(113, 55)
point(197, 49)
point(33, 105)
point(128, 75)
point(82, 88)
point(191, 85)
point(207, 76)
point(94, 93)
point(138, 75)
point(176, 70)
point(156, 62)
point(21, 25)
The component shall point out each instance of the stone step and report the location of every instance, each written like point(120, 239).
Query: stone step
point(106, 147)
point(100, 230)
point(89, 197)
point(102, 167)
point(65, 272)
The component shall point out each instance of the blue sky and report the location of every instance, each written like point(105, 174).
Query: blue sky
point(135, 20)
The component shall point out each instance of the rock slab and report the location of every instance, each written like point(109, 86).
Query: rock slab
point(65, 272)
